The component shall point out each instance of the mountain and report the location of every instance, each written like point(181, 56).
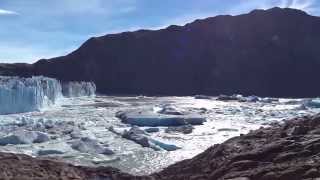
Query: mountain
point(272, 52)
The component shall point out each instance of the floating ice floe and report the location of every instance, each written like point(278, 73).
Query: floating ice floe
point(311, 103)
point(240, 98)
point(91, 146)
point(152, 119)
point(202, 97)
point(152, 130)
point(140, 137)
point(46, 152)
point(185, 129)
point(168, 109)
point(24, 137)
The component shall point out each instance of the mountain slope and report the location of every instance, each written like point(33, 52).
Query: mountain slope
point(271, 52)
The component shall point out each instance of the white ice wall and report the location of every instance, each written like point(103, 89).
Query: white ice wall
point(19, 95)
point(77, 89)
point(27, 94)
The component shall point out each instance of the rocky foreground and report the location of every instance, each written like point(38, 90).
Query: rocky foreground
point(284, 151)
point(287, 151)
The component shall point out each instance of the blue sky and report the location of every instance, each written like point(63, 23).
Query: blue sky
point(35, 29)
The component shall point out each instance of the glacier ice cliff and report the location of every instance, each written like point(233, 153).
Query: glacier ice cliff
point(77, 89)
point(19, 95)
point(27, 94)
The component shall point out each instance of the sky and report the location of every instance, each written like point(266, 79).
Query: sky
point(35, 29)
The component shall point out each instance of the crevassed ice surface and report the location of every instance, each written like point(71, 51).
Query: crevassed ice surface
point(27, 94)
point(31, 94)
point(93, 117)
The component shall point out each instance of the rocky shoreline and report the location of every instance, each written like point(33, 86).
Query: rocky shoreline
point(290, 150)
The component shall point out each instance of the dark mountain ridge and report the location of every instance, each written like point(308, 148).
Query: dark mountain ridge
point(271, 52)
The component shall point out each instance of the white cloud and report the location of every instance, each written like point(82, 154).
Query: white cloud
point(7, 12)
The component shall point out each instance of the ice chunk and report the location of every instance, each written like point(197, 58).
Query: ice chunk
point(186, 129)
point(228, 130)
point(24, 137)
point(152, 130)
point(167, 147)
point(229, 98)
point(139, 136)
point(269, 100)
point(252, 99)
point(312, 103)
point(202, 97)
point(92, 146)
point(152, 119)
point(47, 152)
point(77, 89)
point(169, 110)
point(238, 97)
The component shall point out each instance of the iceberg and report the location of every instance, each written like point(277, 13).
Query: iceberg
point(78, 89)
point(24, 137)
point(88, 145)
point(139, 136)
point(151, 119)
point(311, 103)
point(165, 146)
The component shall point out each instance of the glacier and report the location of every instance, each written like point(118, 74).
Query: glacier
point(18, 95)
point(27, 94)
point(78, 89)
